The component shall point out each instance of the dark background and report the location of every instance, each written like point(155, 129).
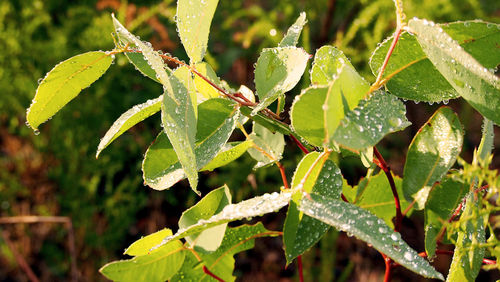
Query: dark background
point(56, 173)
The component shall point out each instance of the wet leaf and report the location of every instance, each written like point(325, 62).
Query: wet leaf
point(371, 120)
point(128, 119)
point(206, 90)
point(229, 153)
point(300, 231)
point(431, 154)
point(217, 119)
point(194, 18)
point(307, 115)
point(64, 82)
point(474, 82)
point(147, 267)
point(209, 239)
point(277, 71)
point(369, 228)
point(272, 144)
point(327, 64)
point(256, 206)
point(142, 246)
point(292, 35)
point(413, 76)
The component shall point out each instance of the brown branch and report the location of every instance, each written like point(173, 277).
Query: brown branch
point(19, 258)
point(387, 170)
point(51, 219)
point(283, 175)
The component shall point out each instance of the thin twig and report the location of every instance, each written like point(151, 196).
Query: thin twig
point(301, 271)
point(300, 145)
point(209, 273)
point(283, 175)
point(387, 170)
point(19, 258)
point(376, 85)
point(446, 252)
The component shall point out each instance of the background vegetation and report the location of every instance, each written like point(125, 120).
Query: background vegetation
point(56, 172)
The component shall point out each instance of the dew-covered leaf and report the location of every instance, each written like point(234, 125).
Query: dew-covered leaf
point(209, 239)
point(230, 152)
point(443, 199)
point(142, 246)
point(328, 60)
point(487, 140)
point(194, 18)
point(272, 144)
point(206, 90)
point(474, 82)
point(217, 119)
point(277, 71)
point(315, 173)
point(371, 120)
point(159, 265)
point(307, 115)
point(64, 82)
point(467, 256)
point(292, 35)
point(369, 228)
point(431, 154)
point(178, 118)
point(413, 76)
point(221, 262)
point(374, 194)
point(256, 206)
point(152, 57)
point(128, 119)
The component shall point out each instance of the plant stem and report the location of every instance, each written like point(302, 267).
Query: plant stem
point(301, 271)
point(376, 85)
point(388, 268)
point(300, 145)
point(209, 273)
point(445, 252)
point(283, 175)
point(387, 170)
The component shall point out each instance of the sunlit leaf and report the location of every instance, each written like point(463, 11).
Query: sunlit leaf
point(271, 144)
point(194, 18)
point(369, 228)
point(212, 203)
point(229, 153)
point(431, 154)
point(319, 175)
point(142, 246)
point(327, 63)
point(474, 82)
point(64, 82)
point(292, 35)
point(217, 119)
point(206, 90)
point(128, 119)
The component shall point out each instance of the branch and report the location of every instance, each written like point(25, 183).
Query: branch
point(376, 85)
point(445, 252)
point(301, 272)
point(209, 273)
point(283, 175)
point(300, 145)
point(387, 170)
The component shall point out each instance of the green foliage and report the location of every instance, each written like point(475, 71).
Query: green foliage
point(338, 110)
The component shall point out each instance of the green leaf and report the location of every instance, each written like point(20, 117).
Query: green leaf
point(229, 153)
point(206, 90)
point(375, 195)
point(328, 61)
point(413, 76)
point(128, 119)
point(269, 123)
point(474, 82)
point(443, 199)
point(152, 57)
point(217, 119)
point(300, 231)
point(369, 228)
point(256, 206)
point(277, 71)
point(371, 120)
point(272, 143)
point(64, 82)
point(178, 119)
point(487, 140)
point(221, 262)
point(209, 239)
point(194, 18)
point(307, 115)
point(431, 154)
point(142, 246)
point(317, 112)
point(159, 265)
point(292, 35)
point(468, 256)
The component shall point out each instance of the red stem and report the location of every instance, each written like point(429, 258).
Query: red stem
point(387, 170)
point(283, 175)
point(445, 252)
point(301, 271)
point(302, 147)
point(388, 268)
point(209, 273)
point(344, 198)
point(397, 34)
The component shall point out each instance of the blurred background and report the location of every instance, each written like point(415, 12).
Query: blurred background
point(56, 173)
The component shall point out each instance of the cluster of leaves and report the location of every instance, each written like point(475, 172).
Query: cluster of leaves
point(339, 112)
